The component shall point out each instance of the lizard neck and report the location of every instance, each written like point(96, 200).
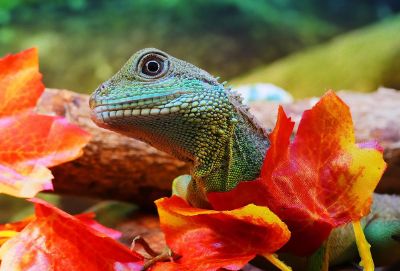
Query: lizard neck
point(206, 125)
point(215, 133)
point(236, 155)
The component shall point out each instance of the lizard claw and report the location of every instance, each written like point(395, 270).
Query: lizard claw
point(141, 241)
point(166, 255)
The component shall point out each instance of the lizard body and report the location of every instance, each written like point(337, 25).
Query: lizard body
point(182, 110)
point(193, 118)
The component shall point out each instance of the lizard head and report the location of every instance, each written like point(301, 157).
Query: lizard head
point(161, 100)
point(183, 110)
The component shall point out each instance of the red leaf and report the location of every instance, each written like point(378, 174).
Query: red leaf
point(28, 140)
point(209, 240)
point(88, 219)
point(20, 82)
point(29, 143)
point(320, 181)
point(57, 241)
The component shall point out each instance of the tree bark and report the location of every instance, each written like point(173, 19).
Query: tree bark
point(118, 167)
point(112, 166)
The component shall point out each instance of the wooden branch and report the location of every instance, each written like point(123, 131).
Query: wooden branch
point(117, 167)
point(112, 166)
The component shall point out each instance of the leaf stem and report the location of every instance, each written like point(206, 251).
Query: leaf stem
point(273, 258)
point(363, 247)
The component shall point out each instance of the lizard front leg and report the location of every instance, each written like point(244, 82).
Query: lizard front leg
point(186, 187)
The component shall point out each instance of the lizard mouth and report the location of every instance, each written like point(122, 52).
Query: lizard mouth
point(104, 111)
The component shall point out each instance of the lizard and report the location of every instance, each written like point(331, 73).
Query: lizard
point(183, 110)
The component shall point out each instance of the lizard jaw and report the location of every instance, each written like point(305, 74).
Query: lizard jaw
point(105, 111)
point(107, 115)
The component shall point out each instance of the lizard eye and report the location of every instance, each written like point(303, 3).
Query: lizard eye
point(153, 66)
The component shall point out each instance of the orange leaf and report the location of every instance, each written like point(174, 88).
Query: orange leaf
point(27, 140)
point(88, 219)
point(29, 143)
point(320, 181)
point(20, 82)
point(57, 241)
point(85, 218)
point(209, 240)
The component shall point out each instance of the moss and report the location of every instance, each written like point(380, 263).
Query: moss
point(361, 60)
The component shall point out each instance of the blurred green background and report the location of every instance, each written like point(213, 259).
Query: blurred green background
point(304, 46)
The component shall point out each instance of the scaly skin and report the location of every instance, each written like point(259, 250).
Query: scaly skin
point(182, 110)
point(191, 117)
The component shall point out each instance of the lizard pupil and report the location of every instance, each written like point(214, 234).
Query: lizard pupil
point(152, 67)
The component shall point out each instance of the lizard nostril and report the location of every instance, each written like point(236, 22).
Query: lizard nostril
point(102, 86)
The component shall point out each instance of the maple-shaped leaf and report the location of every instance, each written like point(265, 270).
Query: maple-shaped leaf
point(208, 240)
point(29, 142)
point(320, 181)
point(55, 240)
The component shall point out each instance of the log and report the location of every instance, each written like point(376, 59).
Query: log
point(118, 167)
point(112, 166)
